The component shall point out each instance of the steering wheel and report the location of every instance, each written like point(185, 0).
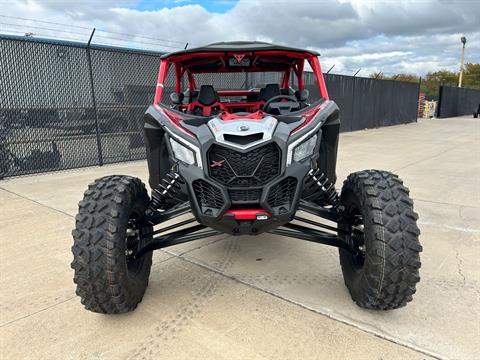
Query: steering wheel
point(282, 107)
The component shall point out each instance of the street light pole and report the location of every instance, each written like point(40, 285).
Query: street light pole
point(463, 39)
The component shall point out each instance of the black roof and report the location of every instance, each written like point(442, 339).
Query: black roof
point(239, 46)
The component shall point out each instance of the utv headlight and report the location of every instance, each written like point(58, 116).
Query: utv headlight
point(305, 149)
point(182, 153)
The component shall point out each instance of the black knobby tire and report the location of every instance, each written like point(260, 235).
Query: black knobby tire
point(383, 276)
point(107, 281)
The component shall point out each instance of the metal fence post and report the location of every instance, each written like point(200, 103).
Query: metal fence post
point(354, 117)
point(94, 100)
point(353, 99)
point(439, 101)
point(418, 97)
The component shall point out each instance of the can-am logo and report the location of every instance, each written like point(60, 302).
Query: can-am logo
point(239, 57)
point(218, 163)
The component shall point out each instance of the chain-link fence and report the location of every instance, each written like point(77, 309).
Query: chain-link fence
point(67, 105)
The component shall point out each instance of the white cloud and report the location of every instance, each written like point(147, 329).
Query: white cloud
point(389, 36)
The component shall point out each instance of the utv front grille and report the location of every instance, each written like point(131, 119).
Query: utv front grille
point(245, 195)
point(282, 194)
point(253, 168)
point(208, 195)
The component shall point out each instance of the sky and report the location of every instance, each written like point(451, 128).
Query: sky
point(392, 36)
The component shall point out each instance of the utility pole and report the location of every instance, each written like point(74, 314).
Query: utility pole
point(463, 39)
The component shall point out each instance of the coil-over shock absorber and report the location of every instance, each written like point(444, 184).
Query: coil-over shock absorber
point(326, 187)
point(166, 190)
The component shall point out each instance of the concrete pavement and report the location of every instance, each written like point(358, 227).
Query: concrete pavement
point(255, 297)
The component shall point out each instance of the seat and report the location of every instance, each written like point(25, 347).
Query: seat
point(207, 95)
point(269, 91)
point(207, 102)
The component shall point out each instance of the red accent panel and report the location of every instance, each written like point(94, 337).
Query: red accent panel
point(175, 118)
point(309, 115)
point(247, 214)
point(258, 115)
point(248, 106)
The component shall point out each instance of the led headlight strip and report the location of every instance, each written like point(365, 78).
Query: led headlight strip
point(304, 150)
point(182, 153)
point(299, 141)
point(188, 145)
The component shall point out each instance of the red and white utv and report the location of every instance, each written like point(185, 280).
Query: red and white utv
point(246, 141)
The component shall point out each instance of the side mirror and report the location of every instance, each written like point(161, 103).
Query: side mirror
point(176, 98)
point(302, 95)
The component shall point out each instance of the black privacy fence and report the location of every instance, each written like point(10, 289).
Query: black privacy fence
point(369, 103)
point(454, 101)
point(66, 105)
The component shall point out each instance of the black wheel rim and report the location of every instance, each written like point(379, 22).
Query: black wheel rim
point(133, 242)
point(357, 239)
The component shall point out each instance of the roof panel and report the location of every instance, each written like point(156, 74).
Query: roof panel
point(239, 46)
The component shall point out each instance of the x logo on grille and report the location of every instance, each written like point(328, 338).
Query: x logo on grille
point(218, 163)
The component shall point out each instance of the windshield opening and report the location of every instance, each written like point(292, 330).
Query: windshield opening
point(213, 85)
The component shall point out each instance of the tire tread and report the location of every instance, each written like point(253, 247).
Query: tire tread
point(99, 246)
point(392, 261)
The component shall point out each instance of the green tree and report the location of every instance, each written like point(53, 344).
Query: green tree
point(433, 80)
point(471, 76)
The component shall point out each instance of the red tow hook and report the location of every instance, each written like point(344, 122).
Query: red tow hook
point(249, 214)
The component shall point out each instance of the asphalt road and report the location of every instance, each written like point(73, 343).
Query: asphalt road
point(264, 297)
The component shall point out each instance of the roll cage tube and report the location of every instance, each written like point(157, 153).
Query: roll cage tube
point(317, 71)
point(162, 74)
point(297, 67)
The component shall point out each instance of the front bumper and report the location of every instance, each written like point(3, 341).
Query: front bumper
point(212, 201)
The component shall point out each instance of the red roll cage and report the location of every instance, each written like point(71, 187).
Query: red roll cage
point(203, 61)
